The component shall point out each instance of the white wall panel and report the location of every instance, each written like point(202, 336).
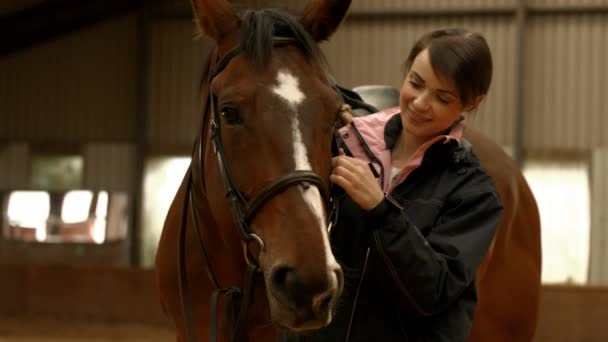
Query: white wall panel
point(598, 269)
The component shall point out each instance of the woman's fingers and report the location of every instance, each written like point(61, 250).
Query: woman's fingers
point(356, 178)
point(346, 115)
point(353, 164)
point(341, 182)
point(345, 173)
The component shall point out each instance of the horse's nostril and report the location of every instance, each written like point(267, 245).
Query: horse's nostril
point(284, 281)
point(311, 297)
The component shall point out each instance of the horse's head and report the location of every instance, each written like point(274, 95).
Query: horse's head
point(275, 110)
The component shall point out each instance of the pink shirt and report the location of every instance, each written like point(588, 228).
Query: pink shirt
point(371, 128)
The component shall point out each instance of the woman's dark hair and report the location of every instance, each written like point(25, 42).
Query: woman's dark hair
point(459, 55)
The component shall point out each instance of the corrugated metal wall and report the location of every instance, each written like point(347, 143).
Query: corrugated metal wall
point(564, 55)
point(8, 6)
point(82, 89)
point(566, 81)
point(372, 51)
point(87, 89)
point(376, 5)
point(14, 166)
point(175, 67)
point(78, 88)
point(109, 167)
point(565, 3)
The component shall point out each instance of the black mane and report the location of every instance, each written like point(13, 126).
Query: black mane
point(258, 27)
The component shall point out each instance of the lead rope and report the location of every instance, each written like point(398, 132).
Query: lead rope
point(234, 297)
point(183, 278)
point(352, 315)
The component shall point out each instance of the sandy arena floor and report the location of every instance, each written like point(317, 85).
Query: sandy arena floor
point(47, 330)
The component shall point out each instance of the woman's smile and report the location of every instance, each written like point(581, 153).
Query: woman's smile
point(416, 118)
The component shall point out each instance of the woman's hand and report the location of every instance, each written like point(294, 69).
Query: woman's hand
point(356, 178)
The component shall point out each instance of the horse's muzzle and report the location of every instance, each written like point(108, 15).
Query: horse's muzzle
point(304, 301)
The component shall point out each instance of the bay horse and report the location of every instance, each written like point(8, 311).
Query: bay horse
point(263, 150)
point(509, 277)
point(245, 246)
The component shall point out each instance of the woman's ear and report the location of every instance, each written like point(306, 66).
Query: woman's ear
point(473, 104)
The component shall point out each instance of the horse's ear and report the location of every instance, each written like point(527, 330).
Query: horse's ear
point(322, 17)
point(216, 18)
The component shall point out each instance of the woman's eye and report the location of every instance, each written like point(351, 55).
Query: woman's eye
point(231, 116)
point(443, 100)
point(415, 84)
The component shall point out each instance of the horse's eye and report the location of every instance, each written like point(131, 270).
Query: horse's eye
point(231, 115)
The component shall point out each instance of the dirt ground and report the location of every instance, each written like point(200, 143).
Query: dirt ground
point(50, 330)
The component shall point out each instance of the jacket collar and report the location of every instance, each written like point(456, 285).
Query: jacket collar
point(394, 126)
point(376, 134)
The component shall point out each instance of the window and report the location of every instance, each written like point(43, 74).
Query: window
point(27, 213)
point(163, 177)
point(562, 193)
point(74, 216)
point(57, 172)
point(76, 206)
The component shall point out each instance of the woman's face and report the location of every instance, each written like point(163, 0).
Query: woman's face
point(429, 103)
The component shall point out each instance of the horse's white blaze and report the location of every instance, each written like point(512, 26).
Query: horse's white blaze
point(289, 90)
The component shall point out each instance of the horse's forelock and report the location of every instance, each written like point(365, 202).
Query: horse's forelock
point(258, 27)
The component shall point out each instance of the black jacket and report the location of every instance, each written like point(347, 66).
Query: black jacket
point(410, 263)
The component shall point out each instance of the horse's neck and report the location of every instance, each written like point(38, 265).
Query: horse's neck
point(223, 253)
point(224, 250)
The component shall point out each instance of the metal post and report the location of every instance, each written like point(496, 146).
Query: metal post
point(140, 135)
point(519, 136)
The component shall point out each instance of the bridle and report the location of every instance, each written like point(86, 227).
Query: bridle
point(243, 211)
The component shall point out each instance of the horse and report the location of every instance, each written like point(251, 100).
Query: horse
point(509, 278)
point(235, 257)
point(235, 260)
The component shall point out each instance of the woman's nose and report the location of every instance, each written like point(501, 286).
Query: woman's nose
point(421, 103)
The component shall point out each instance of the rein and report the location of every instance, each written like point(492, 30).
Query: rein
point(237, 300)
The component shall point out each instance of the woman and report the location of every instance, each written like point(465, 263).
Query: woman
point(419, 212)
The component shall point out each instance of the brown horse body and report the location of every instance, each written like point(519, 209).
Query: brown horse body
point(509, 278)
point(508, 281)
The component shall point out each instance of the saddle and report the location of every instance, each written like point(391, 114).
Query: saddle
point(367, 99)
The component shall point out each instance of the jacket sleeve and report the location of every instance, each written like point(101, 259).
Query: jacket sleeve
point(431, 272)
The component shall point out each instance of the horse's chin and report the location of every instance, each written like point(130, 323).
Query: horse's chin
point(298, 320)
